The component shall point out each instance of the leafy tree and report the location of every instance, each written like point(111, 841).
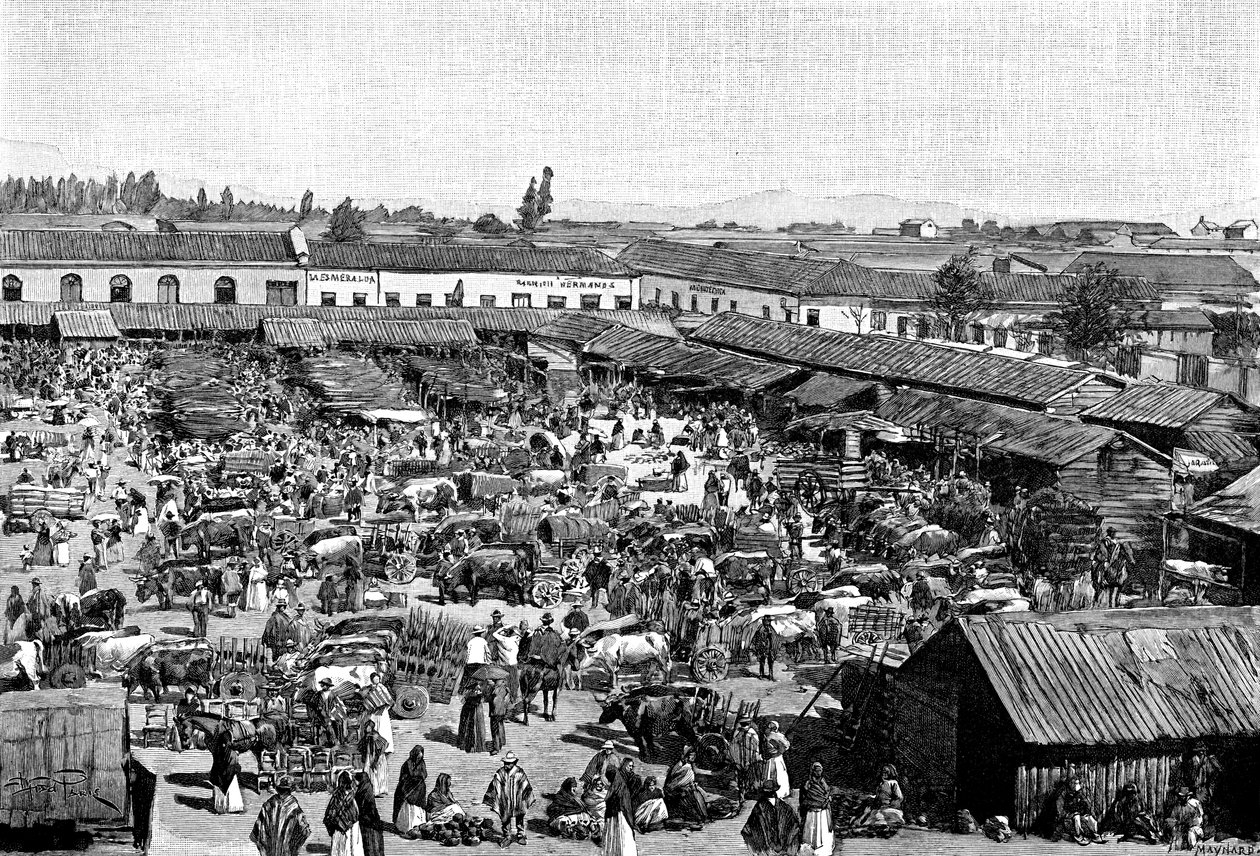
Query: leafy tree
point(127, 196)
point(346, 223)
point(1091, 316)
point(376, 215)
point(544, 193)
point(529, 207)
point(148, 193)
point(961, 292)
point(228, 202)
point(202, 207)
point(307, 203)
point(489, 224)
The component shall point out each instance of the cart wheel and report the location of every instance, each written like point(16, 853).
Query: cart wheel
point(546, 594)
point(284, 541)
point(67, 676)
point(811, 490)
point(866, 637)
point(711, 751)
point(709, 665)
point(571, 580)
point(238, 686)
point(399, 571)
point(802, 579)
point(410, 702)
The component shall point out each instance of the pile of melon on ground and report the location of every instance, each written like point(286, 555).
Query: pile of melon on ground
point(468, 831)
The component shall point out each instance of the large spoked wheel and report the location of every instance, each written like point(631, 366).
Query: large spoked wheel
point(866, 637)
point(400, 570)
point(285, 541)
point(811, 490)
point(711, 751)
point(411, 702)
point(804, 578)
point(709, 665)
point(571, 578)
point(238, 686)
point(546, 594)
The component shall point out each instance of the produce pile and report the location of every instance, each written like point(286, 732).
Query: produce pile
point(432, 653)
point(469, 831)
point(345, 383)
point(65, 503)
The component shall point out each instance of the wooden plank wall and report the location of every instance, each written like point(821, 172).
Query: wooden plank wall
point(1101, 780)
point(1130, 490)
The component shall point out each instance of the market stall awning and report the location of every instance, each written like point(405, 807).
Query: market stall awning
point(674, 359)
point(826, 390)
point(292, 333)
point(86, 324)
point(857, 420)
point(382, 415)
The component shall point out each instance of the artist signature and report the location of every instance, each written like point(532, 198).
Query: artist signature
point(1226, 850)
point(67, 783)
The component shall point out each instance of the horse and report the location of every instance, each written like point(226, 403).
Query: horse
point(537, 677)
point(267, 733)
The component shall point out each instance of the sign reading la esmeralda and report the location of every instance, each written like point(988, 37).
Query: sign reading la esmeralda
point(348, 277)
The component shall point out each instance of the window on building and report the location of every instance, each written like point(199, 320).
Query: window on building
point(977, 334)
point(713, 306)
point(119, 289)
point(1023, 340)
point(328, 298)
point(765, 311)
point(674, 300)
point(999, 337)
point(903, 326)
point(521, 300)
point(734, 306)
point(811, 317)
point(590, 301)
point(1129, 360)
point(923, 328)
point(1045, 343)
point(424, 300)
point(626, 302)
point(658, 296)
point(282, 292)
point(695, 303)
point(72, 288)
point(12, 289)
point(393, 298)
point(879, 319)
point(359, 298)
point(558, 301)
point(168, 289)
point(225, 290)
point(787, 315)
point(488, 301)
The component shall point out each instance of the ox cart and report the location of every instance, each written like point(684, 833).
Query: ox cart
point(820, 479)
point(389, 548)
point(28, 503)
point(714, 719)
point(873, 624)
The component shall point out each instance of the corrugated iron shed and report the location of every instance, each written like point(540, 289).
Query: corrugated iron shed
point(1237, 506)
point(459, 258)
point(1051, 439)
point(893, 359)
point(292, 333)
point(825, 390)
point(69, 245)
point(573, 327)
point(674, 358)
point(1166, 405)
point(1128, 676)
point(438, 332)
point(86, 324)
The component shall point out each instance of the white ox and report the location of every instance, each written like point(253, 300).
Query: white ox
point(612, 652)
point(113, 651)
point(343, 548)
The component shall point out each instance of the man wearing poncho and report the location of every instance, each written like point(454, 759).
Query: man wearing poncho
point(509, 795)
point(605, 759)
point(281, 828)
point(745, 755)
point(377, 701)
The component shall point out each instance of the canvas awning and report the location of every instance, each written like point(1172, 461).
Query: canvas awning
point(384, 415)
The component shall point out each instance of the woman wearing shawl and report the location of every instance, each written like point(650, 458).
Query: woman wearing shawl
point(370, 827)
point(410, 794)
point(441, 806)
point(373, 750)
point(650, 813)
point(709, 505)
point(141, 525)
point(225, 771)
point(43, 555)
point(618, 440)
point(14, 609)
point(341, 819)
point(817, 836)
point(256, 593)
point(472, 721)
point(595, 798)
point(618, 837)
point(684, 799)
point(567, 810)
point(773, 746)
point(772, 828)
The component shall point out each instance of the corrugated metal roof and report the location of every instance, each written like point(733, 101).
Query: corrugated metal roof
point(463, 258)
point(891, 358)
point(1236, 506)
point(1005, 287)
point(728, 267)
point(1125, 676)
point(573, 327)
point(1165, 405)
point(1221, 447)
point(678, 359)
point(1169, 269)
point(1171, 319)
point(64, 245)
point(826, 390)
point(293, 333)
point(438, 332)
point(1052, 439)
point(86, 324)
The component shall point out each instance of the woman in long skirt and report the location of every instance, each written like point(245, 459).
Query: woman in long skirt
point(372, 749)
point(341, 819)
point(141, 526)
point(256, 593)
point(113, 543)
point(410, 794)
point(817, 837)
point(370, 826)
point(472, 722)
point(225, 772)
point(43, 553)
point(441, 806)
point(618, 837)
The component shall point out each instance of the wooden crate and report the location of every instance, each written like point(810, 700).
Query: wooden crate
point(64, 756)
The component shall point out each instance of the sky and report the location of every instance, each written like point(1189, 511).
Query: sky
point(1110, 108)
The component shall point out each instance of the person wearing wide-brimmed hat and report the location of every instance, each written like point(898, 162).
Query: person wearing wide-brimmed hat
point(772, 828)
point(1184, 825)
point(331, 711)
point(509, 795)
point(282, 827)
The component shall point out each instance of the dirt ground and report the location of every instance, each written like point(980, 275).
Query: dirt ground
point(549, 751)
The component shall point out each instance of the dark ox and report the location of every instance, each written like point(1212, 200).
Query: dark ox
point(651, 712)
point(155, 672)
